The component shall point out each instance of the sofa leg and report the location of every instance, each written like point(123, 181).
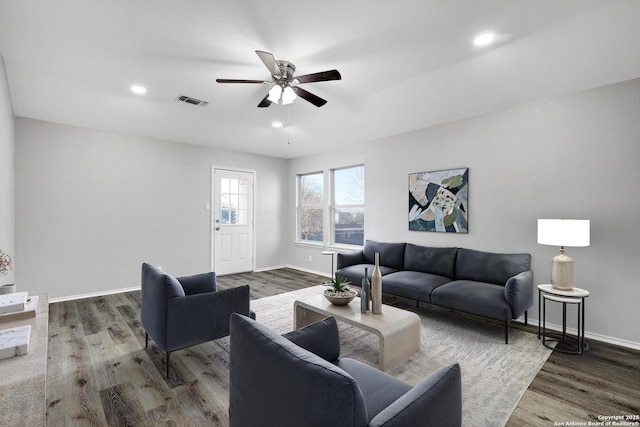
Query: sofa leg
point(168, 355)
point(506, 332)
point(526, 320)
point(417, 304)
point(146, 340)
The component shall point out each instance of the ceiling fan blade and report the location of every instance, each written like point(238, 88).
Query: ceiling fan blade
point(241, 81)
point(314, 99)
point(270, 63)
point(265, 102)
point(322, 76)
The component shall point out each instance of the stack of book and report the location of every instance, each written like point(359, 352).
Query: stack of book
point(17, 305)
point(15, 341)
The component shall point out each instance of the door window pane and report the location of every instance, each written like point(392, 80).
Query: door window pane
point(233, 201)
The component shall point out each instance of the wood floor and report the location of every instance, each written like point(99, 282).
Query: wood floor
point(100, 374)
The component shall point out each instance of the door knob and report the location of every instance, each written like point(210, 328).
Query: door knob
point(217, 228)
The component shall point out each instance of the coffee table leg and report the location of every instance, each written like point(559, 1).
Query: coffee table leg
point(303, 317)
point(398, 346)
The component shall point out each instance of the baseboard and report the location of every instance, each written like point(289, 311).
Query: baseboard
point(587, 335)
point(93, 294)
point(274, 267)
point(308, 270)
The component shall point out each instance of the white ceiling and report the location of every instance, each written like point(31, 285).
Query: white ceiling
point(405, 65)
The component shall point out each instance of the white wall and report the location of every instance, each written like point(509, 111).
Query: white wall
point(91, 206)
point(573, 157)
point(7, 174)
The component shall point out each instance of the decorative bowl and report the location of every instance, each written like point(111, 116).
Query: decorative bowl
point(342, 298)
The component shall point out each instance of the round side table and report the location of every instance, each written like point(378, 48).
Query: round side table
point(565, 344)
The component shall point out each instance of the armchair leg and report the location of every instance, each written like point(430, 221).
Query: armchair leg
point(506, 332)
point(168, 355)
point(146, 340)
point(526, 320)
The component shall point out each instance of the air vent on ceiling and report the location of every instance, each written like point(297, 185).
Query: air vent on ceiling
point(193, 101)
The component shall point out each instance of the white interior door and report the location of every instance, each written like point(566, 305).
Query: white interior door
point(232, 221)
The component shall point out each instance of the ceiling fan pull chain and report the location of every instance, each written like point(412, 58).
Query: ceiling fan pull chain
point(288, 125)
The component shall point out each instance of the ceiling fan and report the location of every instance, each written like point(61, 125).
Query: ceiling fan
point(285, 87)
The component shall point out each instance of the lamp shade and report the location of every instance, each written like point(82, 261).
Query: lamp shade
point(564, 232)
point(274, 93)
point(288, 95)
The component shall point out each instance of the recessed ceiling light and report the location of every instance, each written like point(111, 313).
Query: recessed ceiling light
point(484, 39)
point(138, 90)
point(276, 125)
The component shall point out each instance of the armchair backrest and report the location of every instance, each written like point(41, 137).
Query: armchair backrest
point(275, 382)
point(157, 288)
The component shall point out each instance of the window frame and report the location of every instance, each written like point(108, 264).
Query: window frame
point(299, 208)
point(334, 207)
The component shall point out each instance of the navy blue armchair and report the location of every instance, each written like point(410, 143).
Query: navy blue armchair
point(298, 379)
point(180, 312)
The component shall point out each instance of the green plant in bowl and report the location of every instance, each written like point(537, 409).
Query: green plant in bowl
point(339, 285)
point(339, 292)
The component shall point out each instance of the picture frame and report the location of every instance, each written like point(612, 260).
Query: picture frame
point(439, 201)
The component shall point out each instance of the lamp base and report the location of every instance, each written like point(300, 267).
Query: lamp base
point(562, 272)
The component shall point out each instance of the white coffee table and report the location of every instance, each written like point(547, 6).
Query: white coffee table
point(398, 330)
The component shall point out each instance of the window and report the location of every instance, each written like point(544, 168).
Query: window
point(310, 207)
point(233, 201)
point(347, 221)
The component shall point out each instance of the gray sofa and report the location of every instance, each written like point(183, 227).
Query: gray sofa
point(299, 379)
point(497, 286)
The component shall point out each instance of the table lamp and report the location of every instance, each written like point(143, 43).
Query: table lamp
point(563, 232)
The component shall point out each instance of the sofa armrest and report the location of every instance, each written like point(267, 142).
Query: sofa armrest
point(199, 283)
point(345, 259)
point(320, 338)
point(436, 401)
point(205, 316)
point(518, 291)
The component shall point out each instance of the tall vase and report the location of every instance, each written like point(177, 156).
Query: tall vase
point(364, 294)
point(376, 287)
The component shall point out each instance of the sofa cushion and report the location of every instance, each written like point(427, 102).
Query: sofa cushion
point(439, 261)
point(391, 254)
point(355, 273)
point(483, 299)
point(321, 338)
point(412, 284)
point(378, 389)
point(199, 283)
point(490, 267)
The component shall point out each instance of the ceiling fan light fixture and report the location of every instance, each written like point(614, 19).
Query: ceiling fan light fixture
point(288, 95)
point(274, 93)
point(484, 39)
point(138, 89)
point(284, 86)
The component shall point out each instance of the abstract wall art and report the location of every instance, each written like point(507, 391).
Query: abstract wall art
point(438, 201)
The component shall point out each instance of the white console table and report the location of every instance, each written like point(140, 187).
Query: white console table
point(23, 379)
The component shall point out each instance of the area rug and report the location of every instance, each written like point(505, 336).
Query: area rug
point(495, 375)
